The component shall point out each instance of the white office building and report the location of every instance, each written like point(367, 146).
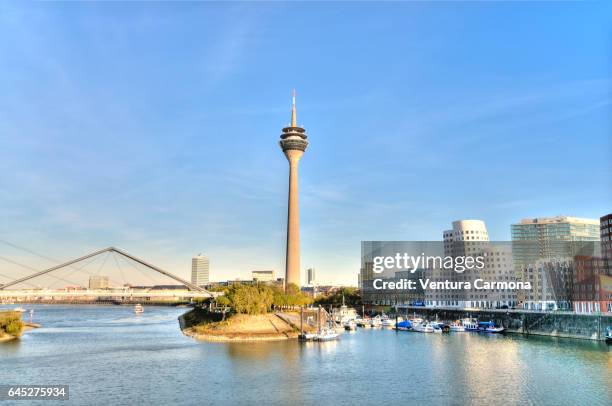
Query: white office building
point(310, 273)
point(200, 270)
point(263, 276)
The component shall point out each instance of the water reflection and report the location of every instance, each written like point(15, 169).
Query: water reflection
point(157, 364)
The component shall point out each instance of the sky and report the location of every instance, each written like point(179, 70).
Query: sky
point(154, 126)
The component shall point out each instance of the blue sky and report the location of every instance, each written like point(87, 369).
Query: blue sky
point(154, 126)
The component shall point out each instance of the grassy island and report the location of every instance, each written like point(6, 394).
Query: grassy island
point(248, 313)
point(11, 325)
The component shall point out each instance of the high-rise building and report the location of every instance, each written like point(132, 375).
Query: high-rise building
point(200, 270)
point(310, 273)
point(466, 238)
point(544, 251)
point(98, 282)
point(550, 237)
point(293, 143)
point(263, 276)
point(466, 230)
point(605, 233)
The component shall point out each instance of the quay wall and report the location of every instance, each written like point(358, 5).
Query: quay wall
point(555, 324)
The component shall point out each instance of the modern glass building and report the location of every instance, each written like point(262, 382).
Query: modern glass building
point(543, 252)
point(550, 237)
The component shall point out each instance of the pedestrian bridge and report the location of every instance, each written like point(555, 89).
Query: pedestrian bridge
point(188, 290)
point(92, 295)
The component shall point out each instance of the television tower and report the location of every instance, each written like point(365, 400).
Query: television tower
point(293, 143)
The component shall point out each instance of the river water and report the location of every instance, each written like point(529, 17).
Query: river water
point(109, 356)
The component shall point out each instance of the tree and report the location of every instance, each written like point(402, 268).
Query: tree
point(351, 298)
point(261, 298)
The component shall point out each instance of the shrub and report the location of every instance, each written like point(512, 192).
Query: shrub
point(10, 323)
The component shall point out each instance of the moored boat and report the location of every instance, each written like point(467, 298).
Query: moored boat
point(609, 335)
point(405, 325)
point(376, 322)
point(470, 325)
point(363, 322)
point(489, 327)
point(457, 326)
point(423, 327)
point(437, 327)
point(350, 325)
point(326, 335)
point(387, 322)
point(307, 336)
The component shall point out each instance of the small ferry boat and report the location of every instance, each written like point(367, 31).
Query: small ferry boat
point(138, 309)
point(457, 326)
point(350, 325)
point(489, 327)
point(470, 325)
point(327, 335)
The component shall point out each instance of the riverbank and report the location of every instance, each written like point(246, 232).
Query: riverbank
point(203, 325)
point(525, 322)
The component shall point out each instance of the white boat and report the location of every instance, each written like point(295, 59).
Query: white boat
point(489, 327)
point(350, 325)
point(327, 335)
point(138, 309)
point(435, 326)
point(388, 322)
point(376, 322)
point(308, 336)
point(19, 309)
point(457, 327)
point(365, 323)
point(469, 324)
point(422, 327)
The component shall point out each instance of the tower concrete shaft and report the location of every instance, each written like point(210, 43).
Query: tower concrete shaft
point(293, 143)
point(292, 271)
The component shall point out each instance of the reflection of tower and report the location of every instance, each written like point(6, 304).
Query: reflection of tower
point(293, 143)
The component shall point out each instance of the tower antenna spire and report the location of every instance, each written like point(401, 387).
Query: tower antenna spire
point(293, 111)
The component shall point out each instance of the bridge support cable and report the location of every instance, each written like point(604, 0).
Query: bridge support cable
point(120, 270)
point(18, 264)
point(59, 278)
point(53, 260)
point(103, 263)
point(187, 284)
point(137, 268)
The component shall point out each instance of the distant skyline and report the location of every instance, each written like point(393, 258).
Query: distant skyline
point(154, 127)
